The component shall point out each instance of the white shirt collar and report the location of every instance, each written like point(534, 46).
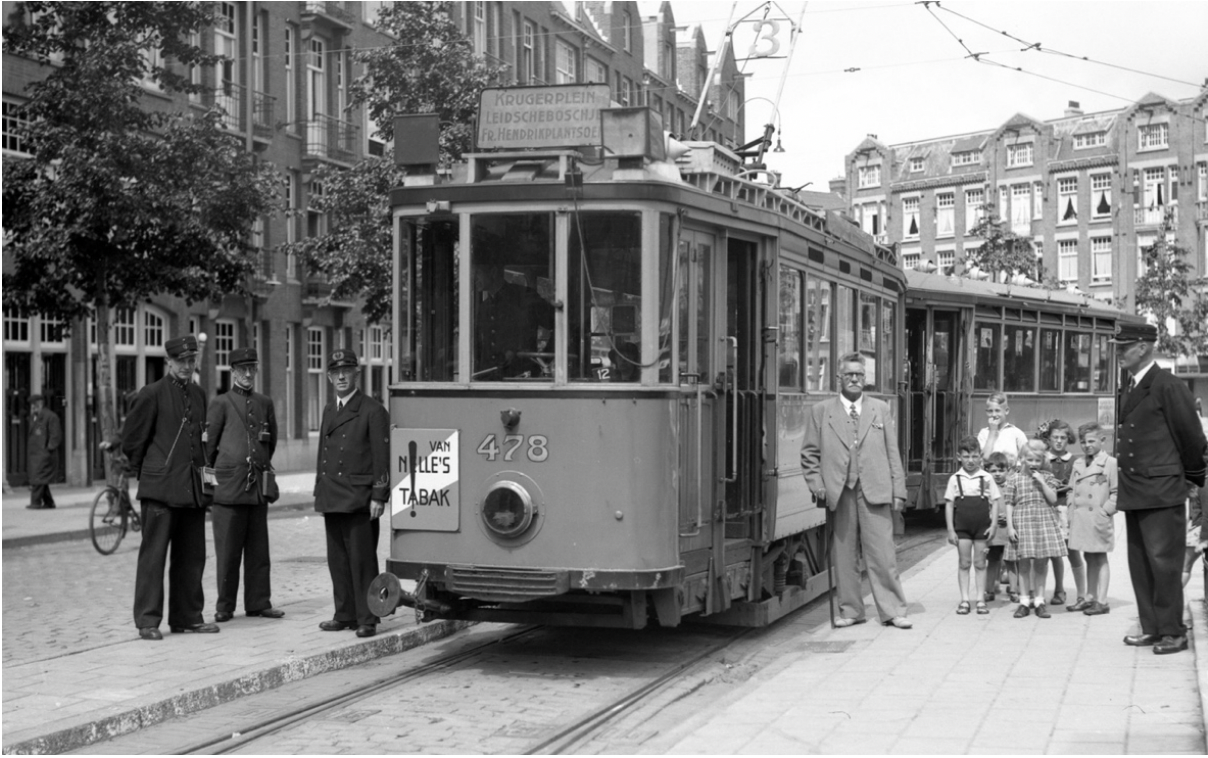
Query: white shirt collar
point(341, 402)
point(1140, 374)
point(859, 403)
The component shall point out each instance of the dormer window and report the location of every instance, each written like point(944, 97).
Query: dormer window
point(1019, 154)
point(1153, 136)
point(1091, 139)
point(869, 176)
point(916, 164)
point(967, 158)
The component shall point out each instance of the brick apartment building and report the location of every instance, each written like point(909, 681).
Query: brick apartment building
point(1089, 189)
point(285, 91)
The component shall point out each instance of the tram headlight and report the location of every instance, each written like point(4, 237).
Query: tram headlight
point(508, 509)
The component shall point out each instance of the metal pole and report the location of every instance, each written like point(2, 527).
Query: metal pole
point(830, 565)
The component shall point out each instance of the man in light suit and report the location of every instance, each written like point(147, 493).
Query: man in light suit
point(1160, 452)
point(352, 483)
point(851, 462)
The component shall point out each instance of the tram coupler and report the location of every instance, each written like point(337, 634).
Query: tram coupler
point(386, 594)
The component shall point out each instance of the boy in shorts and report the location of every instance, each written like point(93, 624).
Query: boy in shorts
point(971, 505)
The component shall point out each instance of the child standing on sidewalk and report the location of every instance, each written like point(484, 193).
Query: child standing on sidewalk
point(1091, 507)
point(1031, 498)
point(971, 506)
point(1059, 435)
point(999, 468)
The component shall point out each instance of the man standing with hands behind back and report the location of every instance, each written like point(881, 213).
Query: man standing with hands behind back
point(851, 462)
point(352, 484)
point(45, 436)
point(1160, 450)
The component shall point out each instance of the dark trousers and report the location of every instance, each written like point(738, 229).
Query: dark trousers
point(242, 531)
point(352, 560)
point(40, 497)
point(183, 530)
point(1156, 537)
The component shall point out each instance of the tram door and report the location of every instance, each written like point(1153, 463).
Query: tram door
point(934, 406)
point(743, 398)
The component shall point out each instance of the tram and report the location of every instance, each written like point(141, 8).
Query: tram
point(604, 358)
point(1048, 351)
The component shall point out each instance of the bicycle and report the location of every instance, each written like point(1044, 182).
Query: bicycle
point(112, 513)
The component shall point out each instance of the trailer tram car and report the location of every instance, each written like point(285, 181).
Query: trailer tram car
point(622, 444)
point(1048, 351)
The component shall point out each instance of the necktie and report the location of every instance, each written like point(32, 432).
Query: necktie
point(1132, 383)
point(855, 415)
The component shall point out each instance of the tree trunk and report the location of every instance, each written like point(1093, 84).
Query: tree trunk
point(106, 390)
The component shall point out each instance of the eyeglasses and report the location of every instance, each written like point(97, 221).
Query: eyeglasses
point(853, 375)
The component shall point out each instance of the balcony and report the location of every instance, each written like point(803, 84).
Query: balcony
point(330, 139)
point(232, 97)
point(328, 16)
point(1153, 216)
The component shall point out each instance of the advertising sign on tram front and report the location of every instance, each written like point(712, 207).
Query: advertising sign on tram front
point(425, 473)
point(523, 117)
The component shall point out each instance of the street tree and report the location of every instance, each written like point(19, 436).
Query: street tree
point(1164, 293)
point(430, 68)
point(1002, 253)
point(119, 200)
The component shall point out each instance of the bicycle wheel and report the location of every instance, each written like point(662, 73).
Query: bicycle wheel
point(107, 521)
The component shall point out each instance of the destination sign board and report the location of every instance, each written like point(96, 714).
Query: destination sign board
point(524, 117)
point(425, 474)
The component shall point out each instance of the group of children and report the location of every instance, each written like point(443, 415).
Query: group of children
point(1023, 504)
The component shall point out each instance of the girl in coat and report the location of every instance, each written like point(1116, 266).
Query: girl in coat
point(1092, 504)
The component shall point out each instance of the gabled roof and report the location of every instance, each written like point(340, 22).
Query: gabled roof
point(1018, 121)
point(870, 144)
point(1149, 102)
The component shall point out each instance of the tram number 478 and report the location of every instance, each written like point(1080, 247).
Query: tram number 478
point(536, 447)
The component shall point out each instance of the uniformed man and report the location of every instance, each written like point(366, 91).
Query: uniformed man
point(508, 320)
point(352, 483)
point(1160, 450)
point(162, 440)
point(242, 435)
point(45, 437)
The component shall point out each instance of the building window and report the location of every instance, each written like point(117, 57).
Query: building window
point(974, 202)
point(967, 158)
point(910, 217)
point(567, 68)
point(528, 53)
point(916, 164)
point(1067, 260)
point(910, 261)
point(1037, 201)
point(153, 329)
point(945, 260)
point(1019, 154)
point(478, 34)
point(596, 72)
point(945, 209)
point(626, 32)
point(316, 220)
point(16, 326)
point(1201, 192)
point(291, 81)
point(1101, 195)
point(123, 327)
point(315, 350)
point(1021, 220)
point(224, 343)
point(870, 218)
point(13, 124)
point(666, 67)
point(869, 176)
point(1067, 200)
point(1153, 136)
point(1155, 188)
point(1094, 139)
point(1101, 259)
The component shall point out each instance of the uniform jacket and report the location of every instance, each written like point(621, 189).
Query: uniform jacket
point(1094, 484)
point(354, 456)
point(234, 424)
point(45, 437)
point(1160, 444)
point(163, 442)
point(828, 448)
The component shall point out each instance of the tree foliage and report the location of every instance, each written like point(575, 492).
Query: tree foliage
point(430, 68)
point(1003, 253)
point(1165, 293)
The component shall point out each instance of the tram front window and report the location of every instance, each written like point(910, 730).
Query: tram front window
point(604, 283)
point(428, 301)
point(512, 318)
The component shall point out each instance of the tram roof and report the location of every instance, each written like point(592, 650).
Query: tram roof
point(979, 292)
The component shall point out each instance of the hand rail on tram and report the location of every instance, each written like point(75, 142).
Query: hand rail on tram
point(700, 499)
point(732, 381)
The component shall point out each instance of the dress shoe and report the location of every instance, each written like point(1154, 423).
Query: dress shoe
point(197, 629)
point(1022, 611)
point(1042, 612)
point(1097, 609)
point(901, 622)
point(1141, 640)
point(335, 626)
point(841, 622)
point(1167, 646)
point(268, 613)
point(34, 507)
point(150, 633)
point(368, 630)
point(1081, 604)
point(221, 616)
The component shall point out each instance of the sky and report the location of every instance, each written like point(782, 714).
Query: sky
point(915, 79)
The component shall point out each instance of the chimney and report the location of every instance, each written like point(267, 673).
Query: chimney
point(1073, 108)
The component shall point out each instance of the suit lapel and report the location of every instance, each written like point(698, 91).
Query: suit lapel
point(348, 412)
point(1140, 392)
point(839, 421)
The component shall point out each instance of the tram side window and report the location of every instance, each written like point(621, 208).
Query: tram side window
point(1050, 346)
point(818, 377)
point(671, 275)
point(428, 301)
point(888, 353)
point(988, 351)
point(511, 261)
point(845, 320)
point(1077, 362)
point(1019, 359)
point(869, 320)
point(605, 294)
point(790, 329)
point(1102, 376)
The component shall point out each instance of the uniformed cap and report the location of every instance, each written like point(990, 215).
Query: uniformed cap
point(1127, 333)
point(36, 399)
point(342, 358)
point(242, 355)
point(181, 347)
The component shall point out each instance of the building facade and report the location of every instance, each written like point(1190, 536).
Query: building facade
point(284, 86)
point(1089, 190)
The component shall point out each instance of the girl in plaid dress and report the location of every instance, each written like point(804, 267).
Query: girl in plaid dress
point(1031, 498)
